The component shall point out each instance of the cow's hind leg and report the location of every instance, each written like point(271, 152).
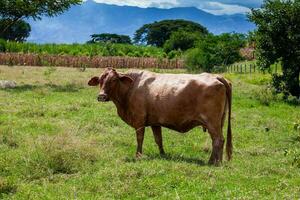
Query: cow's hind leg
point(217, 145)
point(158, 138)
point(140, 139)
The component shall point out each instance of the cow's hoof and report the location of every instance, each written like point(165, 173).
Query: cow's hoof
point(162, 153)
point(214, 162)
point(138, 155)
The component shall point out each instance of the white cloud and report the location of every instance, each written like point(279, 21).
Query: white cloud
point(142, 3)
point(217, 7)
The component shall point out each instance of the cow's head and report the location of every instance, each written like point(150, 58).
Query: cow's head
point(110, 82)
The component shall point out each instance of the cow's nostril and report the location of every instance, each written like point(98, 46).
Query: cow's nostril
point(102, 97)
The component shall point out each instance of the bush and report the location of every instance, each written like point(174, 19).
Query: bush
point(174, 54)
point(2, 45)
point(268, 94)
point(265, 96)
point(278, 82)
point(213, 51)
point(197, 60)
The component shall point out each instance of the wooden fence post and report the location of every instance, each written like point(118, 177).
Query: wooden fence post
point(250, 69)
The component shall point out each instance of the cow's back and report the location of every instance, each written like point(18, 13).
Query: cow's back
point(177, 101)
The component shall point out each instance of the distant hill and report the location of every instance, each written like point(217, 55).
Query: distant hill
point(77, 24)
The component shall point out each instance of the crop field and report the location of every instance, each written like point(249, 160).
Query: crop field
point(58, 142)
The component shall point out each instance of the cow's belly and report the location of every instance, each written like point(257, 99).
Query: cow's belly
point(181, 122)
point(183, 127)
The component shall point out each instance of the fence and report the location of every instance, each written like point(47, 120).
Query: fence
point(250, 68)
point(88, 62)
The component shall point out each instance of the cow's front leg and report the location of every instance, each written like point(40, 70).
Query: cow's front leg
point(140, 139)
point(158, 138)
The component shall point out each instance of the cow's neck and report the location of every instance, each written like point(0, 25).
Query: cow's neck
point(120, 99)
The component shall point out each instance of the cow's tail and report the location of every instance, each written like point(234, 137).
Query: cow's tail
point(229, 133)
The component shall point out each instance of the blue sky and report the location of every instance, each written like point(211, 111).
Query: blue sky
point(217, 7)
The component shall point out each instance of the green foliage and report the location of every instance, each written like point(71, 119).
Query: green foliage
point(174, 54)
point(181, 40)
point(2, 45)
point(158, 33)
point(277, 38)
point(101, 49)
point(279, 83)
point(265, 95)
point(19, 31)
point(110, 38)
point(268, 94)
point(17, 9)
point(199, 60)
point(251, 38)
point(215, 51)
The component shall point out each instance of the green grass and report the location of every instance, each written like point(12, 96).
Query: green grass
point(58, 142)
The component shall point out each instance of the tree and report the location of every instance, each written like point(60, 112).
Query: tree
point(15, 10)
point(278, 39)
point(110, 38)
point(181, 40)
point(215, 51)
point(17, 32)
point(158, 33)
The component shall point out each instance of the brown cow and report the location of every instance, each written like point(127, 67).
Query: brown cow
point(176, 101)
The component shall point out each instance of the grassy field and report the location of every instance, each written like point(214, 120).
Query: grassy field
point(58, 142)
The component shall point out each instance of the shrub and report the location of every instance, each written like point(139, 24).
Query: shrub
point(278, 83)
point(2, 45)
point(213, 51)
point(174, 54)
point(198, 60)
point(265, 96)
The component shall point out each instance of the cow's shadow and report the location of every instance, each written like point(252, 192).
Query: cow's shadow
point(170, 157)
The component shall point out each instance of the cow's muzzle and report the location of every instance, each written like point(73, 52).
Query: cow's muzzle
point(103, 98)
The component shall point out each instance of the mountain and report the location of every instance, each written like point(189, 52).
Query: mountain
point(79, 22)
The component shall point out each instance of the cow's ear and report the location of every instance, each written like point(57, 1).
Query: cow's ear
point(94, 81)
point(126, 80)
